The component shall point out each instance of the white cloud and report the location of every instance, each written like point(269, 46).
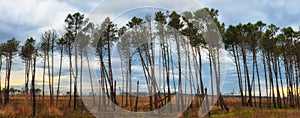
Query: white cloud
point(115, 8)
point(282, 12)
point(26, 18)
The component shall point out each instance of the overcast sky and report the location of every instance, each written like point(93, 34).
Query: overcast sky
point(29, 18)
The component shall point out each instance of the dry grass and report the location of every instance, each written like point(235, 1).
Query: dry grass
point(19, 108)
point(51, 112)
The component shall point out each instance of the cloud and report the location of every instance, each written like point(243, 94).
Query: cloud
point(26, 18)
point(116, 8)
point(282, 12)
point(30, 18)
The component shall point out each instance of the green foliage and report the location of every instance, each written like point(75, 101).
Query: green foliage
point(134, 22)
point(175, 21)
point(28, 49)
point(11, 47)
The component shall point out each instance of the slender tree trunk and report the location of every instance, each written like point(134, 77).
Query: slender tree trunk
point(81, 63)
point(59, 75)
point(9, 63)
point(75, 76)
point(280, 76)
point(49, 77)
point(211, 76)
point(44, 73)
point(137, 96)
point(70, 74)
point(91, 79)
point(247, 75)
point(297, 83)
point(216, 66)
point(271, 78)
point(266, 78)
point(0, 80)
point(27, 71)
point(167, 69)
point(52, 70)
point(275, 68)
point(237, 65)
point(110, 72)
point(200, 72)
point(123, 80)
point(196, 67)
point(253, 77)
point(258, 79)
point(104, 75)
point(33, 88)
point(147, 75)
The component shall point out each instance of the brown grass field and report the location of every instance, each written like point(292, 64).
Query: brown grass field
point(19, 107)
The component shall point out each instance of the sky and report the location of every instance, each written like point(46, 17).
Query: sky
point(30, 18)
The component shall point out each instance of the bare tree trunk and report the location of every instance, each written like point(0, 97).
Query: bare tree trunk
point(179, 71)
point(75, 76)
point(0, 80)
point(49, 78)
point(70, 74)
point(254, 63)
point(297, 84)
point(81, 67)
point(253, 78)
point(200, 71)
point(33, 88)
point(110, 77)
point(211, 76)
point(266, 78)
point(216, 66)
point(59, 75)
point(271, 78)
point(91, 79)
point(237, 65)
point(196, 66)
point(258, 79)
point(247, 75)
point(44, 73)
point(52, 72)
point(275, 68)
point(123, 80)
point(280, 76)
point(137, 96)
point(146, 74)
point(27, 71)
point(9, 63)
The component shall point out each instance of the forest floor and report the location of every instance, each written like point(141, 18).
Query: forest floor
point(20, 107)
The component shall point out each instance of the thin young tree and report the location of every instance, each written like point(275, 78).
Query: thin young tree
point(48, 39)
point(260, 26)
point(10, 49)
point(60, 44)
point(1, 55)
point(231, 43)
point(177, 24)
point(26, 54)
point(44, 47)
point(74, 23)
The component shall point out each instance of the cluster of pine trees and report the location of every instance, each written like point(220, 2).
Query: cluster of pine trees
point(269, 48)
point(250, 44)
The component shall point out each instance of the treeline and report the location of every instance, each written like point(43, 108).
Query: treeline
point(179, 57)
point(274, 50)
point(80, 34)
point(50, 43)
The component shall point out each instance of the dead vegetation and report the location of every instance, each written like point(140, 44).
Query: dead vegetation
point(19, 108)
